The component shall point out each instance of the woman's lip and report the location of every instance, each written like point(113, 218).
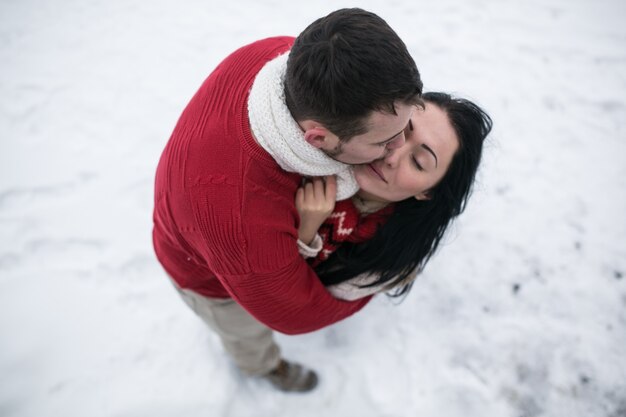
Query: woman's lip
point(377, 172)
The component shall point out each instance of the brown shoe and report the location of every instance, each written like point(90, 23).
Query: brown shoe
point(292, 377)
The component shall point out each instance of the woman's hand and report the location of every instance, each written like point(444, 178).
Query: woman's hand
point(315, 201)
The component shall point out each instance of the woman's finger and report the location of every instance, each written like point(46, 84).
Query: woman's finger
point(331, 187)
point(318, 184)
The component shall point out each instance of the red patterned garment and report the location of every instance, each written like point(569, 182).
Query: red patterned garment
point(225, 221)
point(345, 224)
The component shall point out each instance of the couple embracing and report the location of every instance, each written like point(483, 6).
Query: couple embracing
point(304, 177)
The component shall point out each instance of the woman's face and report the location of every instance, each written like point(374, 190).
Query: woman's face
point(415, 167)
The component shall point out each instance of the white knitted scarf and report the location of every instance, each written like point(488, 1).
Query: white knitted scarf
point(280, 135)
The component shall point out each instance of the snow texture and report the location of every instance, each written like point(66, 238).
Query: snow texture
point(521, 314)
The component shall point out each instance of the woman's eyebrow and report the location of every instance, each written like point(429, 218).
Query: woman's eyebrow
point(431, 151)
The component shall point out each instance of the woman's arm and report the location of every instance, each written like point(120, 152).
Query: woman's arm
point(351, 289)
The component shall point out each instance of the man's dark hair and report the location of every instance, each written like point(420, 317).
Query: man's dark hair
point(346, 65)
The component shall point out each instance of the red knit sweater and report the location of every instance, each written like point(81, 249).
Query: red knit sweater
point(225, 222)
point(346, 224)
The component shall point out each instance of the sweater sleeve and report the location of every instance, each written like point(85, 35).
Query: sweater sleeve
point(310, 251)
point(352, 289)
point(254, 255)
point(291, 300)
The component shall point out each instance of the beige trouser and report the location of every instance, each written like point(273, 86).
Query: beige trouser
point(249, 342)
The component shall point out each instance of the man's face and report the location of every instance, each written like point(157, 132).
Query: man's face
point(385, 133)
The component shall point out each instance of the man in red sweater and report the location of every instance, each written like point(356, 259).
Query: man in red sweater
point(225, 222)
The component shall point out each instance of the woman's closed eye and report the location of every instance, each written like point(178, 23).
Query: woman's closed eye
point(417, 164)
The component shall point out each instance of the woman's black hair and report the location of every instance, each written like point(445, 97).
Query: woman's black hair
point(411, 235)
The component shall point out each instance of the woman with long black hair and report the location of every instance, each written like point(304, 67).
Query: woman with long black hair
point(381, 238)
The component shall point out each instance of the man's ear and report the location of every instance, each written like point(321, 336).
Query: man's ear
point(424, 195)
point(317, 135)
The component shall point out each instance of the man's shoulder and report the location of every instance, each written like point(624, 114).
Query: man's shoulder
point(263, 49)
point(283, 43)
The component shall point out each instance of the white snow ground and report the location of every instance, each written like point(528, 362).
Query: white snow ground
point(522, 314)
